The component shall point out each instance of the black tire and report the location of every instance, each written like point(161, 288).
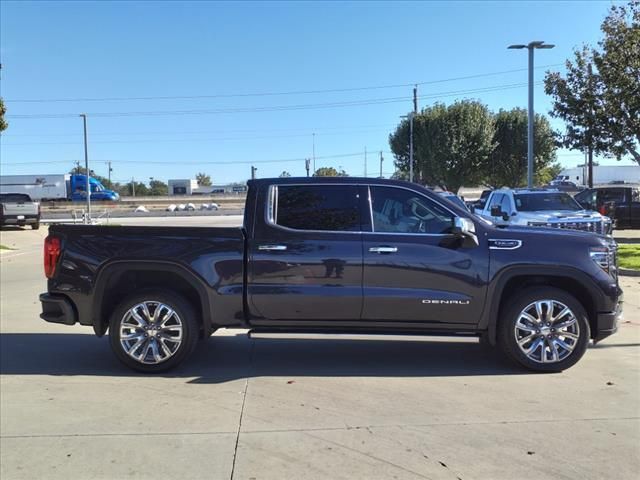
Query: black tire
point(507, 334)
point(186, 315)
point(35, 226)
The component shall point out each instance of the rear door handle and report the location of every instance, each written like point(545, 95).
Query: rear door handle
point(383, 249)
point(272, 248)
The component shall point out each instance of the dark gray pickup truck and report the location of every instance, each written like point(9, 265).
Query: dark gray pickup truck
point(336, 255)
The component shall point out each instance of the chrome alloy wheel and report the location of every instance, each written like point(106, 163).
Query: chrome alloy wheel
point(547, 331)
point(150, 332)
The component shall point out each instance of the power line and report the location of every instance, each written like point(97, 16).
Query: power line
point(277, 108)
point(271, 94)
point(189, 140)
point(173, 163)
point(309, 131)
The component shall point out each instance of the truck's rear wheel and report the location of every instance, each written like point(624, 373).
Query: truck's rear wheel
point(153, 331)
point(35, 226)
point(544, 329)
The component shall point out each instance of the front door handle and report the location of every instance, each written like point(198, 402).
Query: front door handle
point(272, 248)
point(383, 249)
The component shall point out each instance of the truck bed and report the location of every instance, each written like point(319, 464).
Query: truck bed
point(97, 259)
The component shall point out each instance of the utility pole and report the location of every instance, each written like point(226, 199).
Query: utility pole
point(314, 150)
point(411, 147)
point(133, 187)
point(415, 99)
point(307, 165)
point(381, 160)
point(253, 172)
point(86, 172)
point(109, 172)
point(365, 162)
point(590, 133)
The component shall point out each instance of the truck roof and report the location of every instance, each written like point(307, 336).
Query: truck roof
point(343, 180)
point(529, 190)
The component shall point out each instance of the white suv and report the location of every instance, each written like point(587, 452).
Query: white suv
point(544, 207)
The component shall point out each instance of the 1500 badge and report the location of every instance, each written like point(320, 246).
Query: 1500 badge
point(446, 302)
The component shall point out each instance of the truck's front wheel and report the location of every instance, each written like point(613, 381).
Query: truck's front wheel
point(544, 329)
point(153, 331)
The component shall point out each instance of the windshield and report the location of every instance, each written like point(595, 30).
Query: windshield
point(455, 199)
point(532, 202)
point(14, 197)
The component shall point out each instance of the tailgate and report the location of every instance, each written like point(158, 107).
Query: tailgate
point(21, 208)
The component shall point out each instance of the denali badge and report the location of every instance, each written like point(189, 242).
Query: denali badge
point(446, 302)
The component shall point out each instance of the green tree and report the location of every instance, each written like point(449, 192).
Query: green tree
point(547, 173)
point(507, 164)
point(285, 174)
point(203, 179)
point(618, 63)
point(158, 188)
point(329, 172)
point(599, 97)
point(141, 189)
point(3, 111)
point(451, 144)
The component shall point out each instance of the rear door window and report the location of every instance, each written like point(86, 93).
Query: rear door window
point(317, 207)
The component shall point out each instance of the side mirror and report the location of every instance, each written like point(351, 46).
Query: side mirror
point(465, 229)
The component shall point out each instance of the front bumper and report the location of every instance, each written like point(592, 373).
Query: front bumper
point(607, 322)
point(57, 309)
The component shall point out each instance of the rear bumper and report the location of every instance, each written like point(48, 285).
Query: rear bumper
point(57, 309)
point(14, 220)
point(607, 322)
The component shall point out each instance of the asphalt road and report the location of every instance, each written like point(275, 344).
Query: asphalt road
point(310, 407)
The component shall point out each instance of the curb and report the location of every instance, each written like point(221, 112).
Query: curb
point(628, 272)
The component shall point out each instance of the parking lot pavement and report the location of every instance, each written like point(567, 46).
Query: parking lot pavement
point(310, 407)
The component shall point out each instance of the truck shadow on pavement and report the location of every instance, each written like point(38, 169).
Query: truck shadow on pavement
point(226, 358)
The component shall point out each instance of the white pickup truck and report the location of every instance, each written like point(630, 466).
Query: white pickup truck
point(542, 207)
point(19, 209)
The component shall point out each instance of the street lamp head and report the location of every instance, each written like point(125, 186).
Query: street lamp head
point(534, 44)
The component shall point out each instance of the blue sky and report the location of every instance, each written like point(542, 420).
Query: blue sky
point(106, 56)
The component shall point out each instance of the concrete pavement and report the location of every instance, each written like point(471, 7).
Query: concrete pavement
point(308, 407)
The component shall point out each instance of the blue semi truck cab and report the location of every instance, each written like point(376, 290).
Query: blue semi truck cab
point(77, 187)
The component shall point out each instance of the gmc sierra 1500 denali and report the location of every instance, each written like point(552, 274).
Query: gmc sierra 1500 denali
point(336, 255)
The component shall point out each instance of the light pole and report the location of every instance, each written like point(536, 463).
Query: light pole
point(86, 170)
point(410, 117)
point(531, 47)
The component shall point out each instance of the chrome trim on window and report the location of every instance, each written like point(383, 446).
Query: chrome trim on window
point(272, 219)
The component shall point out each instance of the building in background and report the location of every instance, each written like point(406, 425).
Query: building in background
point(182, 187)
point(191, 187)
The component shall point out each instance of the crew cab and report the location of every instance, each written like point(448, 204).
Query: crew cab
point(350, 255)
point(542, 207)
point(620, 202)
point(19, 209)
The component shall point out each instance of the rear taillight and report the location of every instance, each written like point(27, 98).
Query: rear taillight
point(51, 255)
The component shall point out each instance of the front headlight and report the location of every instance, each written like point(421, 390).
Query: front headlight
point(603, 256)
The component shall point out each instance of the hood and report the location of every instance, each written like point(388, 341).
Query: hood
point(521, 232)
point(562, 215)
